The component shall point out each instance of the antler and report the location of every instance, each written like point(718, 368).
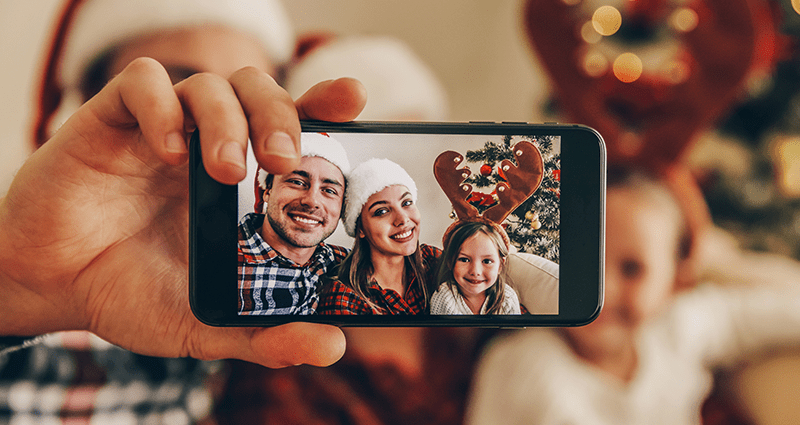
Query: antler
point(449, 176)
point(523, 179)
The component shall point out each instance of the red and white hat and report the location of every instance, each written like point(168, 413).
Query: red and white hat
point(311, 144)
point(88, 28)
point(101, 24)
point(369, 177)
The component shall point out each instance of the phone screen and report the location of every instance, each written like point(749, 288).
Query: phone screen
point(500, 268)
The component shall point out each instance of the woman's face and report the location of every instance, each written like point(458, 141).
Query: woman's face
point(477, 265)
point(390, 222)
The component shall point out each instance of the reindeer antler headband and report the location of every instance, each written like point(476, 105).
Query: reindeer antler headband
point(522, 180)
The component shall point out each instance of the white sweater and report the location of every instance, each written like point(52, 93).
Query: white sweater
point(533, 377)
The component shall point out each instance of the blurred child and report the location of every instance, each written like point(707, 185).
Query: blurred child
point(649, 356)
point(472, 271)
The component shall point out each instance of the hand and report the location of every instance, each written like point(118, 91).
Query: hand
point(94, 230)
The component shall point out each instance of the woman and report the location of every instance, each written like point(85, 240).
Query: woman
point(388, 271)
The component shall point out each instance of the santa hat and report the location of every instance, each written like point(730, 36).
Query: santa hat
point(400, 85)
point(89, 28)
point(371, 176)
point(311, 144)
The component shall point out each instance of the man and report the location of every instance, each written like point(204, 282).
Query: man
point(281, 252)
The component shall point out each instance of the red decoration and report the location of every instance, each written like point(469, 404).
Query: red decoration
point(486, 169)
point(557, 175)
point(482, 199)
point(501, 173)
point(653, 122)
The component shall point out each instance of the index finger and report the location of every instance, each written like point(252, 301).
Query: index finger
point(273, 121)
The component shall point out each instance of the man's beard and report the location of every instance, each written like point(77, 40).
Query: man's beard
point(281, 229)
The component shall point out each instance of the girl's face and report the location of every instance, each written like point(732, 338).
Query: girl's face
point(640, 271)
point(477, 265)
point(390, 222)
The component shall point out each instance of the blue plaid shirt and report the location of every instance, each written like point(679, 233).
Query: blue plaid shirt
point(270, 283)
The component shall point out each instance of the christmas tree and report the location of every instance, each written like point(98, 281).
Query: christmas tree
point(534, 226)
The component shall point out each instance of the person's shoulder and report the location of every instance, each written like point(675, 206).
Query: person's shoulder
point(339, 252)
point(442, 300)
point(251, 222)
point(443, 290)
point(429, 251)
point(335, 286)
point(510, 293)
point(336, 297)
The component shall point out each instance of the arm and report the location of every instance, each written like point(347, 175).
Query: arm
point(723, 325)
point(95, 225)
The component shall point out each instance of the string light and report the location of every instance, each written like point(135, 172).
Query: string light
point(627, 67)
point(675, 72)
point(589, 34)
point(685, 19)
point(607, 20)
point(595, 64)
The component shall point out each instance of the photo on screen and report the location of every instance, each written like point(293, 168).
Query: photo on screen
point(532, 226)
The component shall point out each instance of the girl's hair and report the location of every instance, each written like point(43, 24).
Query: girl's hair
point(356, 268)
point(655, 191)
point(452, 247)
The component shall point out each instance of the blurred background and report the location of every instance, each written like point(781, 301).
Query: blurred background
point(476, 49)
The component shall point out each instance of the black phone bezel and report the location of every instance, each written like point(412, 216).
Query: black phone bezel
point(213, 224)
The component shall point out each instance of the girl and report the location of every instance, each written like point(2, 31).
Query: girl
point(472, 271)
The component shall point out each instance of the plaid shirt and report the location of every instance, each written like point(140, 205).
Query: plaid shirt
point(75, 377)
point(270, 283)
point(339, 298)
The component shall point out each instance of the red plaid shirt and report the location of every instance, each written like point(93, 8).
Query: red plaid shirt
point(339, 298)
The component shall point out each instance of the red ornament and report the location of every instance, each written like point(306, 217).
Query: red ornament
point(557, 175)
point(486, 169)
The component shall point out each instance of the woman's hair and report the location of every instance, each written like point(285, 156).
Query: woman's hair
point(357, 267)
point(456, 237)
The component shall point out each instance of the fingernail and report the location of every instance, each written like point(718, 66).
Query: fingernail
point(175, 143)
point(280, 144)
point(233, 154)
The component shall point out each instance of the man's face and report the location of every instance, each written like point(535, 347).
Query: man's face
point(303, 207)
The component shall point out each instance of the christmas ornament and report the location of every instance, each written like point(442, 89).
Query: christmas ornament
point(486, 169)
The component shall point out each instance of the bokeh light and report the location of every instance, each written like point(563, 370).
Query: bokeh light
point(595, 63)
point(606, 20)
point(676, 72)
point(589, 34)
point(627, 67)
point(571, 2)
point(685, 19)
point(796, 5)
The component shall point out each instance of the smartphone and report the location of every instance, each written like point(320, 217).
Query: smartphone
point(555, 229)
